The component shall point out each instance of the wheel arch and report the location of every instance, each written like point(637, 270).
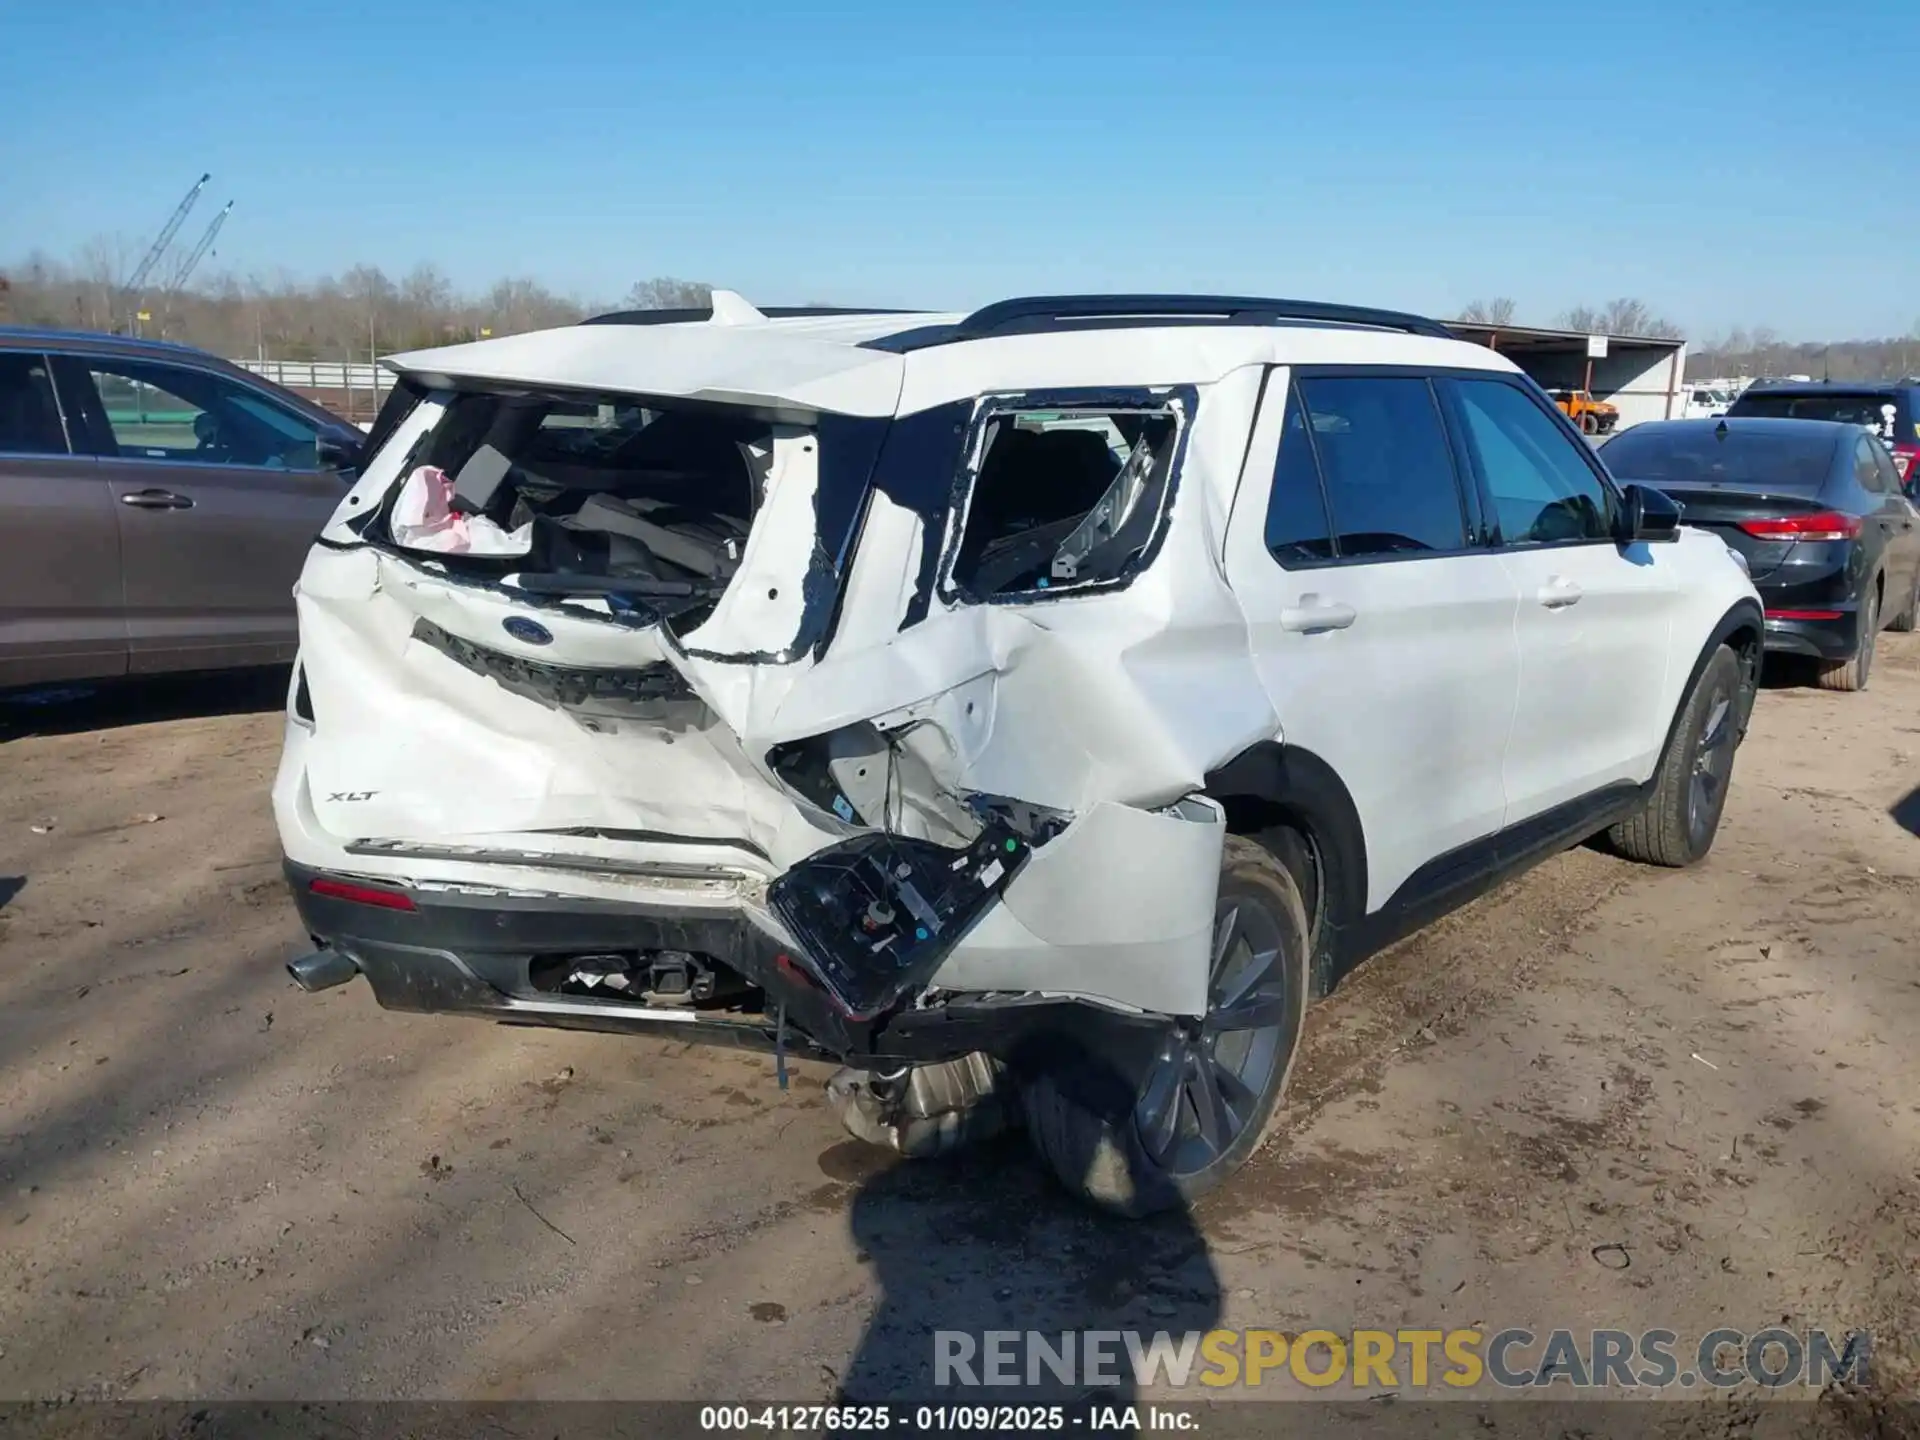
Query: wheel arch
point(1743, 628)
point(1270, 789)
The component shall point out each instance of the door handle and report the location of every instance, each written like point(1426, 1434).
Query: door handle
point(1558, 593)
point(1314, 613)
point(153, 499)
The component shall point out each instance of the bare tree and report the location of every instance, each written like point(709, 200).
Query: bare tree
point(668, 294)
point(372, 295)
point(1620, 317)
point(1762, 352)
point(1498, 311)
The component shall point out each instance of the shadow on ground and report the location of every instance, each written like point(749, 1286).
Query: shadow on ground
point(71, 709)
point(979, 1256)
point(1906, 813)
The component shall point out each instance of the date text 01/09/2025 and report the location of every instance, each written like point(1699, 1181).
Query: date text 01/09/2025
point(946, 1419)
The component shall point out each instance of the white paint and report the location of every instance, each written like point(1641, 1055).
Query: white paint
point(1448, 706)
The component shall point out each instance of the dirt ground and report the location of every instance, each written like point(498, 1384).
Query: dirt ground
point(216, 1186)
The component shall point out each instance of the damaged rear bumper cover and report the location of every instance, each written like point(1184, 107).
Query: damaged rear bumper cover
point(453, 952)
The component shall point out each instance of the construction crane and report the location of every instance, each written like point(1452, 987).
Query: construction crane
point(130, 292)
point(198, 253)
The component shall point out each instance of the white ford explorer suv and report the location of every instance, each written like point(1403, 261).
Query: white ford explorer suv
point(1029, 710)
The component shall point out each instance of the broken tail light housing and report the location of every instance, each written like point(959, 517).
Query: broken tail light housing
point(875, 915)
point(1819, 525)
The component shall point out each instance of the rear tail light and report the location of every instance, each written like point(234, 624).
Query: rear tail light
point(361, 894)
point(1822, 525)
point(1803, 614)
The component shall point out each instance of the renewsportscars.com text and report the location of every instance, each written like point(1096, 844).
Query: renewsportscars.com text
point(1510, 1359)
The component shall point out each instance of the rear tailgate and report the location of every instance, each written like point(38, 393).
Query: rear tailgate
point(1722, 510)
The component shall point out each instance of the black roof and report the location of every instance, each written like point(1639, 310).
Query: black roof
point(1749, 425)
point(1827, 387)
point(55, 337)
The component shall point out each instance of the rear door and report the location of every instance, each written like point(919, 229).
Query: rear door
point(1594, 619)
point(1381, 628)
point(218, 492)
point(61, 616)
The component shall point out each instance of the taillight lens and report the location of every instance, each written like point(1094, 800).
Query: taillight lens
point(1821, 525)
point(361, 894)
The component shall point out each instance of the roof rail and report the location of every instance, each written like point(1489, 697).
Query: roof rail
point(697, 313)
point(1034, 314)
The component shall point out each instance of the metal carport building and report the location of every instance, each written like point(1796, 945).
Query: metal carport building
point(1640, 375)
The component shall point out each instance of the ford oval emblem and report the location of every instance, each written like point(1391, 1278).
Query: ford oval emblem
point(531, 631)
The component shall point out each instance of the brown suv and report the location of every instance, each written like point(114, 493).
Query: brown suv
point(156, 505)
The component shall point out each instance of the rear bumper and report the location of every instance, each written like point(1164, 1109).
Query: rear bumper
point(1820, 639)
point(471, 954)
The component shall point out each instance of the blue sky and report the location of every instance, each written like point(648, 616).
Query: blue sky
point(1748, 163)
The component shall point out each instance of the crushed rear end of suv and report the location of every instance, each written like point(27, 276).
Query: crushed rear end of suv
point(876, 688)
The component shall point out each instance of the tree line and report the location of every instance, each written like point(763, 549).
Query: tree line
point(1758, 352)
point(364, 312)
point(356, 315)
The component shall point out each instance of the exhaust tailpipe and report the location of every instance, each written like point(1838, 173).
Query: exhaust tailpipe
point(322, 970)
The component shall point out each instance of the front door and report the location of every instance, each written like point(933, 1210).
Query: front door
point(218, 493)
point(1381, 628)
point(61, 616)
point(1594, 618)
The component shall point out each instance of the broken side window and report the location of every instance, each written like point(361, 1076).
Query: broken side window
point(1064, 498)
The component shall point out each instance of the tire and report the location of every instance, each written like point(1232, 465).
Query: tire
point(1852, 674)
point(1588, 424)
point(1908, 620)
point(1677, 825)
point(1134, 1148)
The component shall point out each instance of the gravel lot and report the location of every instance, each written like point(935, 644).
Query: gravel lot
point(215, 1186)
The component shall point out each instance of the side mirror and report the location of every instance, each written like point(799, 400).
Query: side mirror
point(1646, 514)
point(335, 453)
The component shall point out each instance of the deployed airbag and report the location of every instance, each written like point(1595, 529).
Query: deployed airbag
point(424, 519)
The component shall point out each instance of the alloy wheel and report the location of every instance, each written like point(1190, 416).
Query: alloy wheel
point(1712, 766)
point(1207, 1083)
point(1869, 636)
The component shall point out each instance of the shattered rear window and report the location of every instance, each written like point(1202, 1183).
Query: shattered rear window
point(1063, 497)
point(586, 495)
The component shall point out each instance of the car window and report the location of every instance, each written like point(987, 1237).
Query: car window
point(172, 412)
point(1684, 454)
point(1889, 472)
point(1297, 525)
point(1385, 464)
point(1866, 468)
point(1542, 490)
point(29, 415)
point(1065, 497)
point(1875, 409)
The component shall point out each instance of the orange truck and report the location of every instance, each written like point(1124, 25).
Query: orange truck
point(1594, 417)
